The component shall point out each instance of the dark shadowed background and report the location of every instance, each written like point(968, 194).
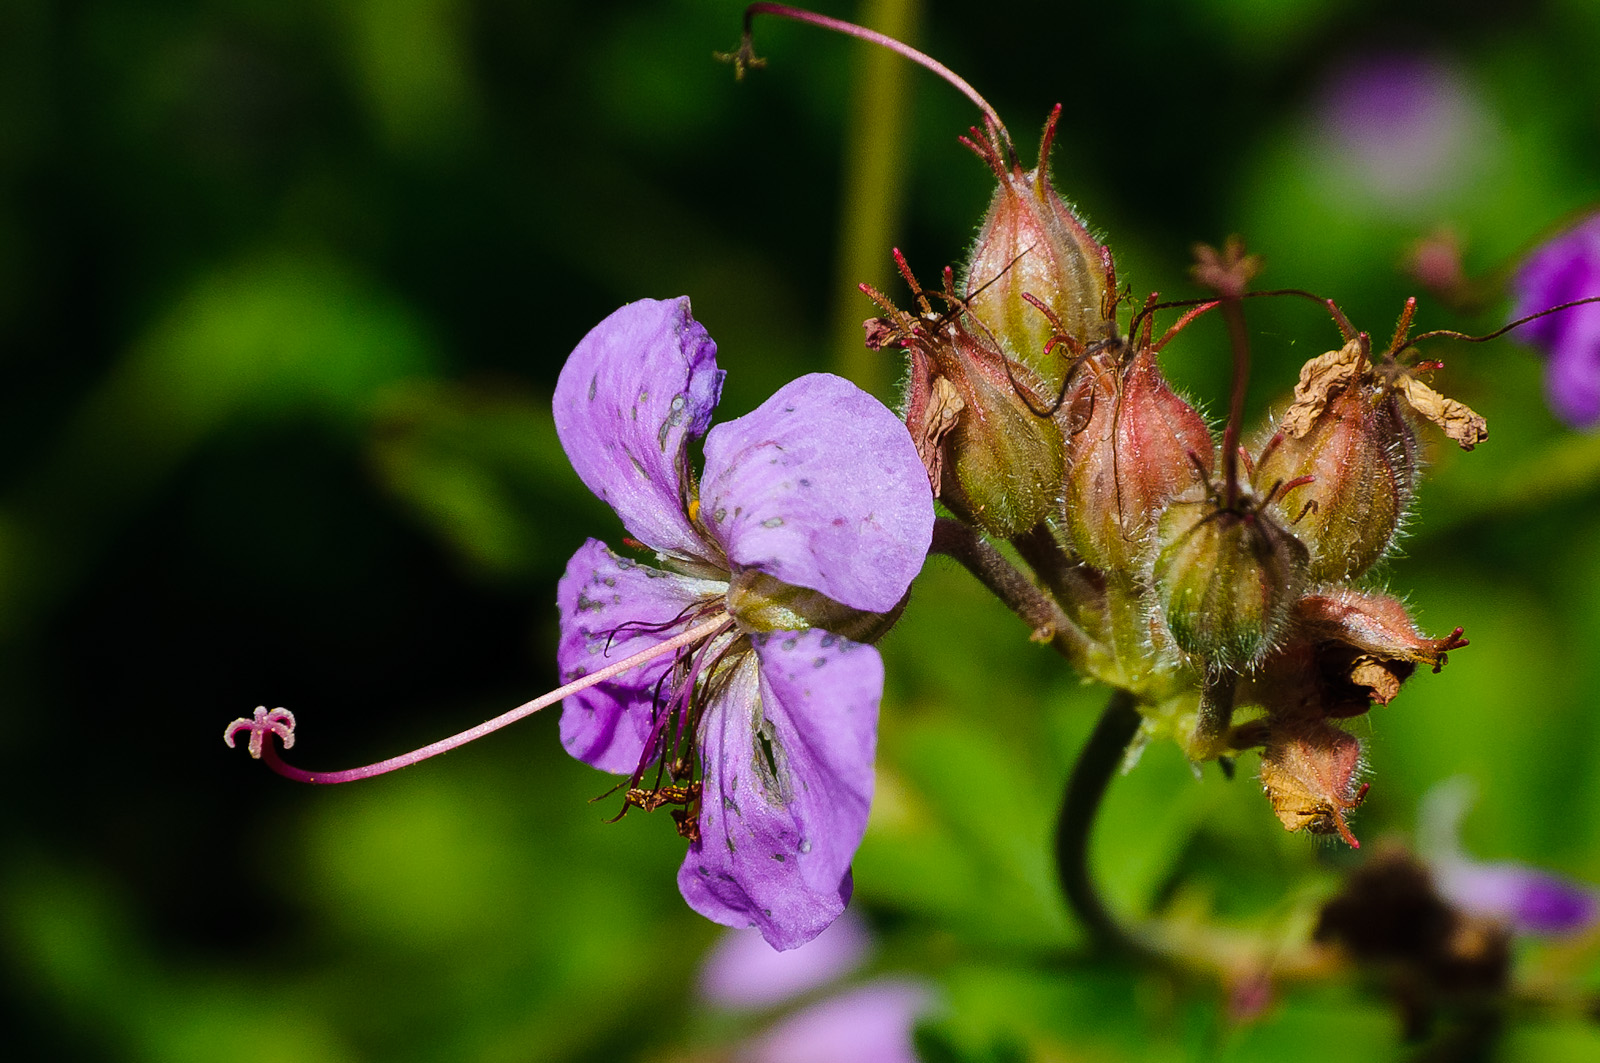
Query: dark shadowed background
point(284, 288)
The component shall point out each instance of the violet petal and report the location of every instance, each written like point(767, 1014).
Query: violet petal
point(633, 393)
point(1530, 900)
point(1572, 380)
point(787, 760)
point(599, 596)
point(821, 487)
point(1406, 126)
point(1562, 270)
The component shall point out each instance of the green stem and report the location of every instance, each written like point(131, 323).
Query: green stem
point(1049, 624)
point(1069, 579)
point(1098, 763)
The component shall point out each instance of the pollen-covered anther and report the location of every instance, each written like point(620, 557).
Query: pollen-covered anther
point(266, 721)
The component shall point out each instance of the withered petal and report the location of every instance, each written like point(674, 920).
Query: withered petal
point(1318, 379)
point(1456, 419)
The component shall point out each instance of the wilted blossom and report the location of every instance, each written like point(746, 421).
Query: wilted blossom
point(870, 1023)
point(1527, 899)
point(1562, 270)
point(806, 526)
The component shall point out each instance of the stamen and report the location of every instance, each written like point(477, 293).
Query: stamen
point(281, 722)
point(677, 707)
point(278, 721)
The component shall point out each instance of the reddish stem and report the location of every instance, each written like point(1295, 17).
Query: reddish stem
point(1183, 323)
point(1233, 311)
point(850, 29)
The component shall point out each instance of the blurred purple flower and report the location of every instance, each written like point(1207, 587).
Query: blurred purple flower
point(813, 509)
point(1404, 126)
point(1564, 269)
point(868, 1024)
point(871, 1024)
point(743, 973)
point(1529, 900)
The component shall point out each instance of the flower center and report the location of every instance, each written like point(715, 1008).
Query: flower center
point(697, 675)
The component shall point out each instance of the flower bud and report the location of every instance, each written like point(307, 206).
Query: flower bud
point(1343, 465)
point(1142, 447)
point(1310, 770)
point(981, 423)
point(1032, 243)
point(1225, 580)
point(1003, 460)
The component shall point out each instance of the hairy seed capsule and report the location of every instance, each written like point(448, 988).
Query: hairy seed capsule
point(1225, 580)
point(1142, 446)
point(1032, 243)
point(1311, 772)
point(981, 423)
point(1345, 465)
point(1002, 459)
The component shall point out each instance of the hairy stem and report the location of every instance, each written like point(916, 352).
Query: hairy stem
point(1215, 714)
point(961, 542)
point(1069, 579)
point(1098, 763)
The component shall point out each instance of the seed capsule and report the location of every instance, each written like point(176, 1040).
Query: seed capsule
point(1310, 770)
point(1343, 465)
point(1032, 243)
point(1142, 446)
point(1225, 580)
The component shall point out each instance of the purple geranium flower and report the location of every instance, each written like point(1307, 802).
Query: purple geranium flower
point(809, 520)
point(1562, 270)
point(1528, 899)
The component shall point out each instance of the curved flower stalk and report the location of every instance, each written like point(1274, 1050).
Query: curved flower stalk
point(798, 542)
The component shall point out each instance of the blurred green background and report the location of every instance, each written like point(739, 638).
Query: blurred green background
point(284, 288)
